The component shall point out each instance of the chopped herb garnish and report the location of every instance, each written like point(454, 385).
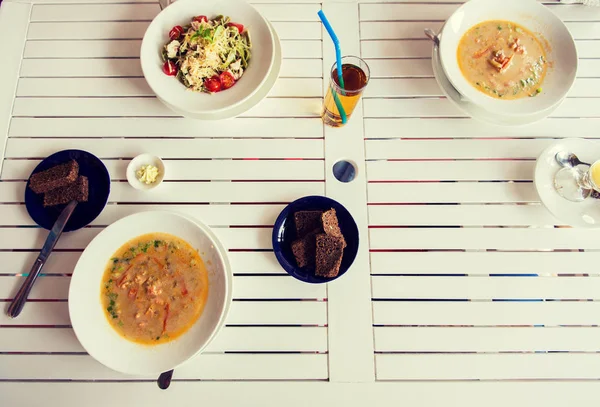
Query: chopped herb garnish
point(204, 33)
point(111, 310)
point(157, 243)
point(499, 27)
point(115, 260)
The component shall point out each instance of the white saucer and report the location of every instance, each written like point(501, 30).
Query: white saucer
point(252, 101)
point(473, 110)
point(581, 214)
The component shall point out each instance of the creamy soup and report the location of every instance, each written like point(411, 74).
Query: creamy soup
point(154, 288)
point(503, 60)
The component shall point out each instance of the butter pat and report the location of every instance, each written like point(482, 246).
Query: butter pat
point(147, 174)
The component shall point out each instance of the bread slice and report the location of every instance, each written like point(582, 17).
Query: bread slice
point(331, 225)
point(329, 253)
point(55, 177)
point(77, 191)
point(306, 222)
point(304, 249)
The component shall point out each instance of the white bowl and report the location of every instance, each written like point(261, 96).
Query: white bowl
point(169, 89)
point(234, 111)
point(87, 314)
point(137, 163)
point(476, 111)
point(536, 18)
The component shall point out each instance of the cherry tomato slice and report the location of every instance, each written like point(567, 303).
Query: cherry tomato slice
point(227, 80)
point(200, 19)
point(240, 27)
point(169, 68)
point(213, 84)
point(175, 32)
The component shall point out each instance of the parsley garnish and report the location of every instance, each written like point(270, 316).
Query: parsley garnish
point(204, 33)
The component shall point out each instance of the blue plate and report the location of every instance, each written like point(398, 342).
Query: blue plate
point(85, 212)
point(284, 233)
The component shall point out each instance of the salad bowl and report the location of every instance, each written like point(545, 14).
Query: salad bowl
point(172, 92)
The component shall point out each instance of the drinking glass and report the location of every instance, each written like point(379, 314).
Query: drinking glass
point(576, 184)
point(356, 74)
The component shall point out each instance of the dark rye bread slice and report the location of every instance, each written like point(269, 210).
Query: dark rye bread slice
point(304, 249)
point(331, 225)
point(306, 222)
point(55, 177)
point(77, 191)
point(330, 250)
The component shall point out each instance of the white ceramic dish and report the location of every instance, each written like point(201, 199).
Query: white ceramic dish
point(88, 316)
point(260, 94)
point(531, 15)
point(582, 214)
point(476, 111)
point(137, 163)
point(170, 90)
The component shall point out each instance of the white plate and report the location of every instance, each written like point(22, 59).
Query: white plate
point(87, 314)
point(169, 89)
point(535, 17)
point(581, 214)
point(260, 94)
point(476, 111)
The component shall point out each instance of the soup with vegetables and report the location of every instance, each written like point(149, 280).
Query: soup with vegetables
point(503, 60)
point(154, 288)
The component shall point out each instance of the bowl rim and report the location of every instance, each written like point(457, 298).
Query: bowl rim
point(291, 267)
point(513, 107)
point(193, 5)
point(227, 297)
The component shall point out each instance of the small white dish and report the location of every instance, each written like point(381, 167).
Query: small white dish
point(581, 214)
point(261, 93)
point(170, 90)
point(87, 315)
point(137, 163)
point(537, 18)
point(475, 111)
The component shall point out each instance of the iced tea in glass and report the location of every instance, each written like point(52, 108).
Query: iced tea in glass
point(355, 73)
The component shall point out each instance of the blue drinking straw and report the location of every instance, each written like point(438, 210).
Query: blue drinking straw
point(338, 57)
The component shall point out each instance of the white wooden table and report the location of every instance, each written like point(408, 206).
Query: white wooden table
point(464, 290)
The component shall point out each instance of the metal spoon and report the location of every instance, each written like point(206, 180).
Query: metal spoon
point(164, 380)
point(432, 36)
point(568, 160)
